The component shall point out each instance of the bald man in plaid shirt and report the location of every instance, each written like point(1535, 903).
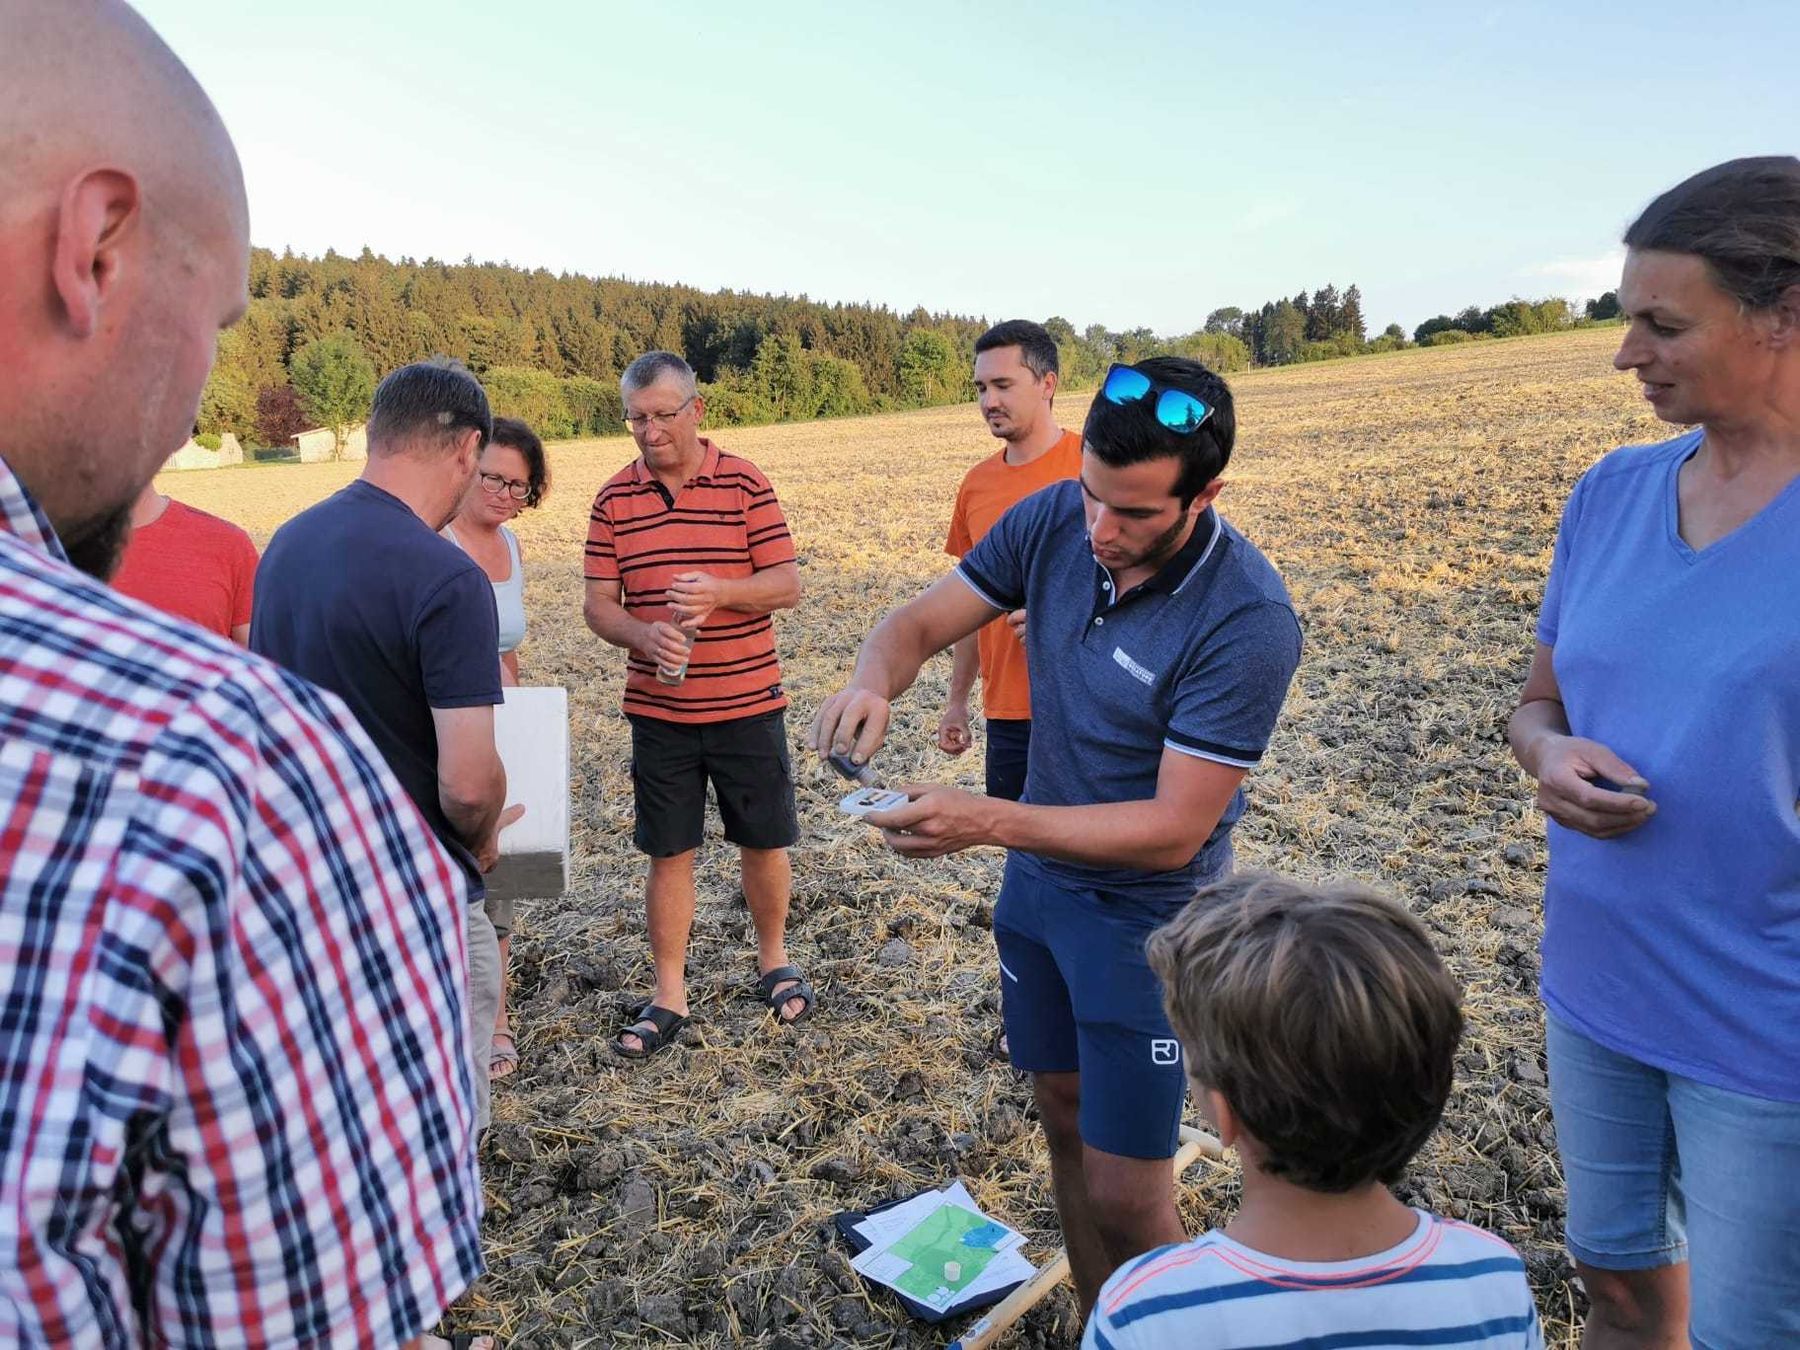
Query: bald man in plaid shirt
point(236, 1104)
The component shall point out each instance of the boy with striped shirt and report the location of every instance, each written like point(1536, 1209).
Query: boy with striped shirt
point(1320, 1029)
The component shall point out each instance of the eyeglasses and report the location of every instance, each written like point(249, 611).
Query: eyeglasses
point(638, 421)
point(494, 484)
point(1178, 410)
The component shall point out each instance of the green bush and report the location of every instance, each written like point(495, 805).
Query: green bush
point(208, 440)
point(1446, 337)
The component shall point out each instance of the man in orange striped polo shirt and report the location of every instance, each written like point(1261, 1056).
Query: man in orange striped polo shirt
point(688, 555)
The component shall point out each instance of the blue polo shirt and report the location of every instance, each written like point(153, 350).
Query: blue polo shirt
point(1196, 659)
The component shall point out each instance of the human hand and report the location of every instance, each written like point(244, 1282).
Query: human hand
point(1566, 769)
point(667, 645)
point(935, 821)
point(1016, 621)
point(694, 596)
point(851, 722)
point(489, 852)
point(953, 729)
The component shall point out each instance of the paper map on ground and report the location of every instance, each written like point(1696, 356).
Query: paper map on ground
point(940, 1249)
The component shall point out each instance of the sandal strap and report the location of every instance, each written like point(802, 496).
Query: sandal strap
point(765, 987)
point(663, 1019)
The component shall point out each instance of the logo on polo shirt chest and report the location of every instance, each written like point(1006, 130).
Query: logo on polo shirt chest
point(1123, 660)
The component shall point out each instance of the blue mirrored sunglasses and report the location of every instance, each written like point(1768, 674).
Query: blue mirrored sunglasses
point(1178, 410)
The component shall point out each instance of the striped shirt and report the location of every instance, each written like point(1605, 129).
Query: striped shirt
point(725, 520)
point(1448, 1285)
point(235, 1094)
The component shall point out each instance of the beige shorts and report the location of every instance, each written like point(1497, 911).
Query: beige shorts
point(484, 1003)
point(500, 914)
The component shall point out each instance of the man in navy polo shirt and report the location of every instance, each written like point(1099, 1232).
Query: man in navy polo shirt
point(1160, 645)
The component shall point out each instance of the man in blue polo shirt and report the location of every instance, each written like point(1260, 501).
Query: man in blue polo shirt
point(1160, 644)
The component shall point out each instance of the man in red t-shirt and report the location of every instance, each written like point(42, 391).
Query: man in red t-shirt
point(190, 564)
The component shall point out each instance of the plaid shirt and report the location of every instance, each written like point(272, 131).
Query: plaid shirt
point(235, 1096)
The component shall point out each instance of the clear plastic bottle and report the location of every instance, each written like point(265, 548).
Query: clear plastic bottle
point(676, 674)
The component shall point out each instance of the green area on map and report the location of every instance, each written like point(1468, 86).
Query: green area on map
point(936, 1239)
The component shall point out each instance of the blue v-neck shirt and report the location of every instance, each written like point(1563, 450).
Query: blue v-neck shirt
point(1197, 659)
point(1679, 943)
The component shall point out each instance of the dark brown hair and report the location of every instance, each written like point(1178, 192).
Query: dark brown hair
point(1322, 1014)
point(510, 431)
point(1741, 217)
point(432, 401)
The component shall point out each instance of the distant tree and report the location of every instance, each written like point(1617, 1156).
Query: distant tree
point(930, 369)
point(1604, 307)
point(1437, 324)
point(1220, 352)
point(1226, 319)
point(1350, 316)
point(1471, 320)
point(227, 403)
point(1394, 330)
point(335, 382)
point(1324, 314)
point(279, 416)
point(1283, 333)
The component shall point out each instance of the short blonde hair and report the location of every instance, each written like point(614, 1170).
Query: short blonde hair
point(1324, 1017)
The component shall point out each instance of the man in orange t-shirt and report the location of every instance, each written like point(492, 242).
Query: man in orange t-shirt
point(190, 564)
point(1015, 379)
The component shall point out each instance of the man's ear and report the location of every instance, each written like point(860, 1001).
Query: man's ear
point(1207, 495)
point(98, 214)
point(468, 450)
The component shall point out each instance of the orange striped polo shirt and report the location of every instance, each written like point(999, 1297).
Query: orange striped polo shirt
point(726, 521)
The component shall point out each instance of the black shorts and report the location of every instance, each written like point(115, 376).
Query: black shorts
point(748, 765)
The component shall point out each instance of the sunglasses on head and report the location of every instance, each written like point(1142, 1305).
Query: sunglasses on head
point(1179, 411)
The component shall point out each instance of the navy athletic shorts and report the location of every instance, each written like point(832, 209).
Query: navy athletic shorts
point(1079, 997)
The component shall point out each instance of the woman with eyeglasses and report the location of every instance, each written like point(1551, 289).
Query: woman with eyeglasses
point(1661, 719)
point(513, 474)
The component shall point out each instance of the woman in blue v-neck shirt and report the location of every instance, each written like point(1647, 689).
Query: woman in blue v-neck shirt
point(1661, 719)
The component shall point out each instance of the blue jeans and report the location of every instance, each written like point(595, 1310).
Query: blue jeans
point(1658, 1165)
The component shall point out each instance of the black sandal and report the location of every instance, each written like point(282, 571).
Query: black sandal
point(765, 990)
point(666, 1025)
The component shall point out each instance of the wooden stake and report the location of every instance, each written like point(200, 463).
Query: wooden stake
point(992, 1326)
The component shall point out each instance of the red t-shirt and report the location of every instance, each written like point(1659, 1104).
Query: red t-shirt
point(192, 565)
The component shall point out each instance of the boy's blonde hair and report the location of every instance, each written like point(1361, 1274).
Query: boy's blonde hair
point(1324, 1017)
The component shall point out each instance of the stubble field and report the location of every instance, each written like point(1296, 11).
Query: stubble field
point(1409, 500)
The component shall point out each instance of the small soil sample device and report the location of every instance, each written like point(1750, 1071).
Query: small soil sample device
point(867, 799)
point(870, 795)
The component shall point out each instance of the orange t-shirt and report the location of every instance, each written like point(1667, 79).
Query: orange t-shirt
point(725, 520)
point(987, 491)
point(193, 565)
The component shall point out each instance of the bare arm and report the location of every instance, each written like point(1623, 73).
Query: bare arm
point(509, 669)
point(661, 643)
point(695, 595)
point(240, 634)
point(1566, 765)
point(1158, 835)
point(471, 781)
point(953, 728)
point(855, 719)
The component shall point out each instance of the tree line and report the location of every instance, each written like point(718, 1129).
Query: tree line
point(549, 347)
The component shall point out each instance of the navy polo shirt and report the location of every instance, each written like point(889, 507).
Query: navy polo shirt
point(1197, 659)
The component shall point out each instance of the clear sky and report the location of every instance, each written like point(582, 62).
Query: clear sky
point(1121, 163)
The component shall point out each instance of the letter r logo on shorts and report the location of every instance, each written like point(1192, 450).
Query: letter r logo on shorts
point(1165, 1052)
